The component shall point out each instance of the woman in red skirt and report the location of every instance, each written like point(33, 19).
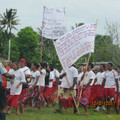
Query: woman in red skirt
point(48, 91)
point(16, 88)
point(33, 98)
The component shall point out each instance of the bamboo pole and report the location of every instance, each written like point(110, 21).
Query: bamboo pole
point(69, 87)
point(83, 80)
point(41, 49)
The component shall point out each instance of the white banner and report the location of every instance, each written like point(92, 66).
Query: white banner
point(75, 44)
point(53, 25)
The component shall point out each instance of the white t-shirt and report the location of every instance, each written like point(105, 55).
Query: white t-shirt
point(51, 77)
point(63, 81)
point(100, 77)
point(19, 77)
point(71, 74)
point(33, 77)
point(79, 77)
point(42, 77)
point(26, 71)
point(56, 74)
point(89, 75)
point(110, 78)
point(8, 82)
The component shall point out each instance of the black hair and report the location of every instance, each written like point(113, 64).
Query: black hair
point(42, 64)
point(110, 64)
point(36, 65)
point(51, 67)
point(103, 66)
point(45, 64)
point(118, 67)
point(16, 64)
point(91, 65)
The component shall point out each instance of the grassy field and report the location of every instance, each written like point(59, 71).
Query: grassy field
point(48, 114)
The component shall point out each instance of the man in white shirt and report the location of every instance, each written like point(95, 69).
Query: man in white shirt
point(110, 81)
point(26, 71)
point(86, 89)
point(64, 93)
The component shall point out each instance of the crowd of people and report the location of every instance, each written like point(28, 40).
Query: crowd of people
point(39, 86)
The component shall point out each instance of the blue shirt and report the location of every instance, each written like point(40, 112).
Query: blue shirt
point(2, 71)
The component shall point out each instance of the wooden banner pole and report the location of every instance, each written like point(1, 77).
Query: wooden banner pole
point(83, 80)
point(69, 87)
point(41, 49)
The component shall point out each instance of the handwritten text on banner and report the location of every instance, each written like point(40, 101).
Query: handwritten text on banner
point(75, 44)
point(53, 26)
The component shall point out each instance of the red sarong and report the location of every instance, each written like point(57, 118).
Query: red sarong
point(85, 95)
point(13, 101)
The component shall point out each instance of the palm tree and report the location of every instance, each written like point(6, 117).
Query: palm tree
point(8, 21)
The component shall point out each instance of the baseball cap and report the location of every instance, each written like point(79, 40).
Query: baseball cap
point(23, 60)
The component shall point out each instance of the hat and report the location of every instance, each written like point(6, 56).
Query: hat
point(96, 68)
point(23, 60)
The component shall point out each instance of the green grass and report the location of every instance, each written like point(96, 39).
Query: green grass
point(48, 114)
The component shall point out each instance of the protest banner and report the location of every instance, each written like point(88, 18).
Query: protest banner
point(76, 43)
point(53, 25)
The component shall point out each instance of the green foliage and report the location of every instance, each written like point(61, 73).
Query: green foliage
point(27, 41)
point(49, 53)
point(3, 42)
point(15, 53)
point(102, 49)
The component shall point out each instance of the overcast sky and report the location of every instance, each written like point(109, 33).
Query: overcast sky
point(30, 12)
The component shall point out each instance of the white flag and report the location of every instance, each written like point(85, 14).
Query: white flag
point(71, 46)
point(53, 25)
